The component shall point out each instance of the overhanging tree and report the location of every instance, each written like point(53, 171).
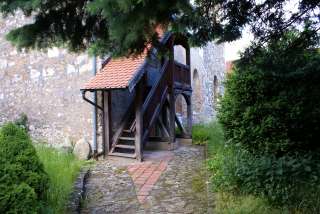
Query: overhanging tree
point(128, 26)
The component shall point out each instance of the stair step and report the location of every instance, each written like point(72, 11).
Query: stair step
point(127, 131)
point(125, 146)
point(126, 155)
point(127, 138)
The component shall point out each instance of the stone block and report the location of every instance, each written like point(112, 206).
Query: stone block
point(82, 149)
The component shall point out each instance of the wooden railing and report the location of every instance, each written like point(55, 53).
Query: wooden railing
point(155, 99)
point(182, 76)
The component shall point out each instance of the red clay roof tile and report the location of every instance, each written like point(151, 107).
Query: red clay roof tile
point(117, 73)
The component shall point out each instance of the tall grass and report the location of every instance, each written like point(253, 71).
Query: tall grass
point(63, 169)
point(230, 195)
point(227, 202)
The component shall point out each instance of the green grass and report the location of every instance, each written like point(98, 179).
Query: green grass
point(200, 134)
point(227, 202)
point(63, 169)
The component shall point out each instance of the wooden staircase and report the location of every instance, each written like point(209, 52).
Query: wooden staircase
point(144, 107)
point(124, 146)
point(124, 140)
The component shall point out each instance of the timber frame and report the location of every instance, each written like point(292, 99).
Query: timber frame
point(150, 112)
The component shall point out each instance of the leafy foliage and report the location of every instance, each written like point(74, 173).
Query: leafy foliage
point(245, 183)
point(23, 182)
point(127, 27)
point(271, 103)
point(271, 118)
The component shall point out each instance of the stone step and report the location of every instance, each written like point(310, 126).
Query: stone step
point(119, 154)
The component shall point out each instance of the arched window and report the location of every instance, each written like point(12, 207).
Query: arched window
point(180, 54)
point(181, 109)
point(197, 98)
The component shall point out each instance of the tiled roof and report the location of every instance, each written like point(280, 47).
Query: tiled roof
point(117, 73)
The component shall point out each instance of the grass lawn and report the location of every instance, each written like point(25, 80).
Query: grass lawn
point(63, 169)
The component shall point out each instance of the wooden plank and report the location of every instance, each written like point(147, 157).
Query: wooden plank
point(103, 126)
point(126, 155)
point(125, 146)
point(107, 121)
point(139, 121)
point(127, 138)
point(123, 122)
point(155, 114)
point(95, 125)
point(172, 94)
point(164, 128)
point(189, 117)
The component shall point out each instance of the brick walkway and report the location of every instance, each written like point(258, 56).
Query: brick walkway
point(145, 175)
point(167, 182)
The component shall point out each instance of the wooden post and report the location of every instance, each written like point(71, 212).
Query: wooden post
point(187, 55)
point(172, 96)
point(103, 125)
point(139, 121)
point(107, 122)
point(189, 115)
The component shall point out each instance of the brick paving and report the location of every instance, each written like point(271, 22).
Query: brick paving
point(167, 182)
point(145, 175)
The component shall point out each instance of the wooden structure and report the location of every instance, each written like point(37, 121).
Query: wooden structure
point(138, 99)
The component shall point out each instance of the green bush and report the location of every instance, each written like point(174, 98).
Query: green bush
point(290, 181)
point(286, 180)
point(270, 115)
point(272, 100)
point(23, 182)
point(200, 134)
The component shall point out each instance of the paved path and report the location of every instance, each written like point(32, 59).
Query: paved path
point(166, 182)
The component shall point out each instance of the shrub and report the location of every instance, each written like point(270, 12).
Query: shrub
point(272, 100)
point(271, 117)
point(200, 134)
point(23, 182)
point(287, 180)
point(291, 181)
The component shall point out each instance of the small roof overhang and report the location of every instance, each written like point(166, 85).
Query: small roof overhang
point(117, 73)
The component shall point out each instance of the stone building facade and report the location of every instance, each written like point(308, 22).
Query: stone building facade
point(208, 71)
point(45, 86)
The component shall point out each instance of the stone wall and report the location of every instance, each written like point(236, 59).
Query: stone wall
point(208, 70)
point(45, 86)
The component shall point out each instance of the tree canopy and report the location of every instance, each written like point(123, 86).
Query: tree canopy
point(126, 27)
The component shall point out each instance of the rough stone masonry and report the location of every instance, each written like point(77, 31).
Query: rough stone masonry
point(45, 86)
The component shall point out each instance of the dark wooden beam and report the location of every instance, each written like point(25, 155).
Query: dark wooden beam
point(189, 116)
point(172, 95)
point(139, 121)
point(163, 127)
point(107, 121)
point(103, 125)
